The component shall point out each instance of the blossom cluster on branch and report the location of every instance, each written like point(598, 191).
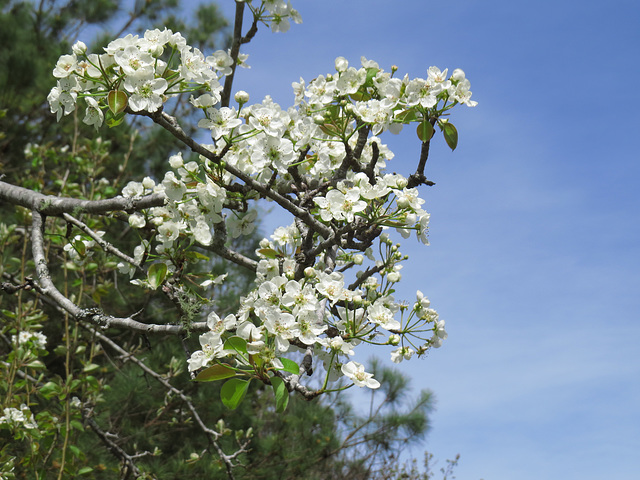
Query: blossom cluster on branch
point(325, 282)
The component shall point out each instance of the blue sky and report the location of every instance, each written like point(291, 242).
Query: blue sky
point(534, 258)
point(535, 236)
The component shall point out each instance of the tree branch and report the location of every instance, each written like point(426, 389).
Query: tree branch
point(106, 246)
point(235, 51)
point(51, 205)
point(93, 315)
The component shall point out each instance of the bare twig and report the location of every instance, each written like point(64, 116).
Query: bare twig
point(106, 246)
point(211, 435)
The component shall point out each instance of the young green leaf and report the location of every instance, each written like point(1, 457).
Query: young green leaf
point(117, 101)
point(80, 247)
point(406, 116)
point(450, 134)
point(233, 391)
point(290, 366)
point(236, 343)
point(156, 274)
point(215, 372)
point(425, 131)
point(281, 393)
point(268, 252)
point(113, 120)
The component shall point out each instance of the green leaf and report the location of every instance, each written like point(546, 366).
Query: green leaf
point(85, 470)
point(425, 131)
point(193, 255)
point(76, 451)
point(281, 393)
point(290, 366)
point(450, 134)
point(236, 343)
point(77, 425)
point(268, 252)
point(406, 116)
point(216, 372)
point(114, 120)
point(156, 274)
point(233, 391)
point(49, 389)
point(117, 101)
point(371, 74)
point(91, 368)
point(35, 364)
point(80, 247)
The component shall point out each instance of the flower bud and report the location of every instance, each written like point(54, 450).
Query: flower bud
point(176, 160)
point(148, 183)
point(401, 182)
point(394, 277)
point(79, 48)
point(403, 202)
point(358, 259)
point(457, 75)
point(241, 97)
point(394, 339)
point(264, 243)
point(309, 272)
point(341, 64)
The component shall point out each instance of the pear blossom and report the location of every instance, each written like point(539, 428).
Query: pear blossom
point(462, 94)
point(402, 353)
point(22, 417)
point(355, 371)
point(146, 92)
point(93, 114)
point(379, 314)
point(37, 339)
point(65, 66)
point(134, 62)
point(331, 286)
point(340, 206)
point(239, 226)
point(211, 347)
point(62, 98)
point(220, 121)
point(283, 326)
point(79, 48)
point(173, 187)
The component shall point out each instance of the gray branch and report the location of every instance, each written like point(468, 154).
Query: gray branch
point(93, 315)
point(51, 205)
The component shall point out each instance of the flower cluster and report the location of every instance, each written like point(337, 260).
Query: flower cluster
point(18, 418)
point(134, 72)
point(321, 159)
point(36, 339)
point(276, 14)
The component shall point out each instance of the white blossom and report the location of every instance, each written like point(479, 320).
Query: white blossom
point(355, 371)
